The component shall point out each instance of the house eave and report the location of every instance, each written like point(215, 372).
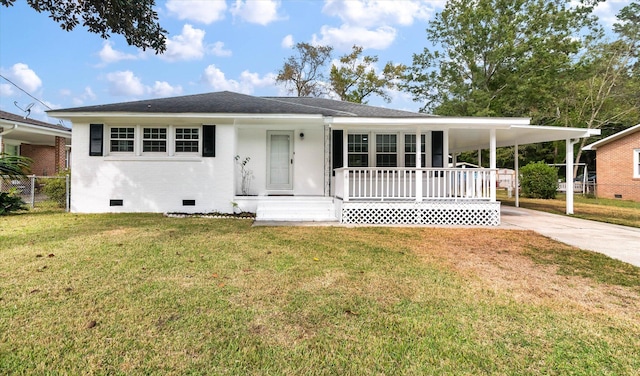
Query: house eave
point(613, 137)
point(441, 122)
point(181, 115)
point(35, 129)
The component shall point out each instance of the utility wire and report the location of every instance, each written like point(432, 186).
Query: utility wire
point(24, 91)
point(39, 101)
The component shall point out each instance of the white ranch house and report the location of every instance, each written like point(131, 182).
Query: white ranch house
point(311, 159)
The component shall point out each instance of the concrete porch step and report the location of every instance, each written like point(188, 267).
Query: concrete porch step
point(294, 209)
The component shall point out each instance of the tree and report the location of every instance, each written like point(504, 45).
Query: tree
point(497, 57)
point(303, 75)
point(135, 20)
point(356, 78)
point(14, 166)
point(604, 91)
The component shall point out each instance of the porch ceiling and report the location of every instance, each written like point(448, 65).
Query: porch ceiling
point(35, 136)
point(473, 139)
point(470, 133)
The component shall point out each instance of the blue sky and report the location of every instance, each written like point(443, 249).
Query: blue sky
point(215, 45)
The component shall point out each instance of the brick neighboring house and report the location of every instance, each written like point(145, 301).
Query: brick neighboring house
point(48, 145)
point(618, 164)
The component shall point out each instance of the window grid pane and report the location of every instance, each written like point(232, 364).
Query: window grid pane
point(386, 143)
point(358, 149)
point(187, 140)
point(386, 148)
point(410, 150)
point(154, 140)
point(122, 140)
point(358, 143)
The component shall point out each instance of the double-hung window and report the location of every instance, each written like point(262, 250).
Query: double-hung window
point(410, 150)
point(386, 150)
point(636, 163)
point(358, 150)
point(122, 139)
point(187, 140)
point(154, 140)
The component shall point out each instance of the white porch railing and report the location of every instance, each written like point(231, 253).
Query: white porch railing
point(413, 184)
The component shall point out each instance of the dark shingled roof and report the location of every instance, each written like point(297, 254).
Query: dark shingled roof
point(20, 119)
point(226, 102)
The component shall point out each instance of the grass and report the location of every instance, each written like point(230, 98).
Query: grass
point(621, 212)
point(144, 294)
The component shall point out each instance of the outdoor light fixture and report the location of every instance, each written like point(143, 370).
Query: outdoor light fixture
point(301, 136)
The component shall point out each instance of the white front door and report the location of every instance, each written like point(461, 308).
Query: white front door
point(280, 160)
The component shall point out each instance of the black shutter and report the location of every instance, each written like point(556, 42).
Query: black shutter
point(437, 149)
point(208, 140)
point(96, 139)
point(337, 150)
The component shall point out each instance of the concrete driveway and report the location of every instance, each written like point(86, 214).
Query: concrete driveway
point(619, 242)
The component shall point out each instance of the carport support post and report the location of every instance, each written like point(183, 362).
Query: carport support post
point(418, 165)
point(517, 177)
point(492, 164)
point(569, 175)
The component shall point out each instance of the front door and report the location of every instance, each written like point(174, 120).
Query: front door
point(280, 160)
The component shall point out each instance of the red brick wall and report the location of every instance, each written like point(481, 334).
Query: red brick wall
point(614, 168)
point(44, 158)
point(60, 154)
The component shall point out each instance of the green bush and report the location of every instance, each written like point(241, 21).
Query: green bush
point(10, 202)
point(56, 189)
point(539, 180)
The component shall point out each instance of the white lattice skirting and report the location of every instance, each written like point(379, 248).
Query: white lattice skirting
point(433, 212)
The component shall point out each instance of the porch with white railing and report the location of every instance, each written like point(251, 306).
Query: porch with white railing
point(413, 184)
point(441, 196)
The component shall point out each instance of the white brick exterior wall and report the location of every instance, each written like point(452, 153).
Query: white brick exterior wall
point(160, 183)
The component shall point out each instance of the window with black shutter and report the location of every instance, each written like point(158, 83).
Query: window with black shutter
point(208, 140)
point(96, 139)
point(437, 149)
point(337, 150)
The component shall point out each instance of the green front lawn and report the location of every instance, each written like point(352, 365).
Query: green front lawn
point(144, 294)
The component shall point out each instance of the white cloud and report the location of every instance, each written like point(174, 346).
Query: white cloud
point(346, 36)
point(261, 12)
point(23, 76)
point(125, 83)
point(287, 42)
point(217, 49)
point(607, 11)
point(164, 89)
point(248, 81)
point(204, 11)
point(87, 94)
point(108, 55)
point(186, 46)
point(6, 90)
point(370, 13)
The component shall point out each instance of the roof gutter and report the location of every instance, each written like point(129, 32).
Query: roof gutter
point(7, 131)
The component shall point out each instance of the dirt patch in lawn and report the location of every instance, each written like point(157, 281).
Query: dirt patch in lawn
point(500, 261)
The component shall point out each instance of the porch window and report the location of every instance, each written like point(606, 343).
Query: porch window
point(386, 150)
point(358, 150)
point(154, 140)
point(636, 163)
point(410, 150)
point(122, 140)
point(187, 140)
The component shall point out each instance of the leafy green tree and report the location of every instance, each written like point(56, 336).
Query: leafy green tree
point(497, 57)
point(356, 78)
point(135, 20)
point(605, 85)
point(303, 74)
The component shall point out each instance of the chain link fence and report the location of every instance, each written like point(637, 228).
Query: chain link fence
point(34, 191)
